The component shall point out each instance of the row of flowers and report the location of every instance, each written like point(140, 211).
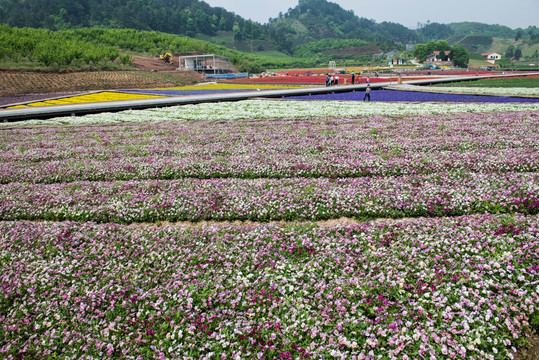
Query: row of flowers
point(506, 91)
point(357, 147)
point(224, 86)
point(459, 288)
point(421, 96)
point(271, 109)
point(321, 79)
point(440, 194)
point(89, 98)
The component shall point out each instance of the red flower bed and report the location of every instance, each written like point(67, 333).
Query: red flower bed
point(318, 79)
point(303, 72)
point(463, 72)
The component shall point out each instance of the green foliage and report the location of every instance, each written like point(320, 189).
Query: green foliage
point(466, 28)
point(534, 321)
point(518, 54)
point(422, 51)
point(519, 82)
point(460, 55)
point(126, 59)
point(99, 47)
point(476, 56)
point(434, 31)
point(477, 42)
point(250, 68)
point(312, 20)
point(510, 52)
point(91, 46)
point(313, 48)
point(186, 17)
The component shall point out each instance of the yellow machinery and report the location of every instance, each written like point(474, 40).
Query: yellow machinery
point(167, 57)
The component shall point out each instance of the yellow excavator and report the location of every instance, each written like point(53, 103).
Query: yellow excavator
point(167, 57)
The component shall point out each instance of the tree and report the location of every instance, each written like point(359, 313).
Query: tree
point(433, 31)
point(518, 35)
point(421, 51)
point(236, 31)
point(442, 45)
point(518, 54)
point(460, 55)
point(510, 52)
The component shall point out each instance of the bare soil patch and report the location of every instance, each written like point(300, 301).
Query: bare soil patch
point(155, 64)
point(530, 352)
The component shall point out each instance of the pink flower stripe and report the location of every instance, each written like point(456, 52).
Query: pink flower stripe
point(440, 194)
point(460, 288)
point(377, 146)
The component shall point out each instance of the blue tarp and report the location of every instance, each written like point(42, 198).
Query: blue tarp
point(227, 76)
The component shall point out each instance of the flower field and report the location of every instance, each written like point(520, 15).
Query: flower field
point(427, 288)
point(421, 96)
point(524, 91)
point(272, 230)
point(289, 109)
point(100, 96)
point(88, 98)
point(318, 79)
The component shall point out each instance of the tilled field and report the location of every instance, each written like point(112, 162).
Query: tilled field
point(21, 83)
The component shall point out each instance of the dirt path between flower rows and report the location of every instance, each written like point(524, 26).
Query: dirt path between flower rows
point(531, 352)
point(343, 221)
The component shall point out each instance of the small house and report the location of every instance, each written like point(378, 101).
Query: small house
point(492, 56)
point(396, 62)
point(438, 56)
point(208, 64)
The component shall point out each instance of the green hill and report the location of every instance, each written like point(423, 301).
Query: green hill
point(312, 32)
point(310, 20)
point(182, 17)
point(465, 28)
point(313, 20)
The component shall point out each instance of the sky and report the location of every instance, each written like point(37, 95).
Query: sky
point(512, 13)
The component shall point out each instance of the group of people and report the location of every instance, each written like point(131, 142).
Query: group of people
point(332, 80)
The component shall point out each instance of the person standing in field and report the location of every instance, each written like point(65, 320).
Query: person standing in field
point(367, 93)
point(353, 78)
point(336, 79)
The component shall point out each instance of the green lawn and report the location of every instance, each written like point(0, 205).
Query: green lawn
point(506, 82)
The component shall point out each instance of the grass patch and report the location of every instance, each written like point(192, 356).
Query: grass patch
point(523, 82)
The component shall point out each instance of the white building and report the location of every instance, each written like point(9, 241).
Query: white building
point(208, 64)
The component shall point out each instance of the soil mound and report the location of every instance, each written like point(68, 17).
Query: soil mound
point(154, 63)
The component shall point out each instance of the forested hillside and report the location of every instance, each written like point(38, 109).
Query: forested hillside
point(312, 20)
point(183, 17)
point(103, 48)
point(313, 31)
point(465, 28)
